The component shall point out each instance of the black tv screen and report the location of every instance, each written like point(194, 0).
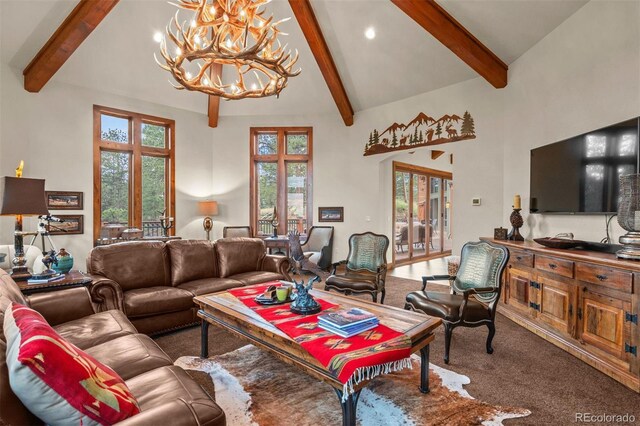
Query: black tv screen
point(581, 175)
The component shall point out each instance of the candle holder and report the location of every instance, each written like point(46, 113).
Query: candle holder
point(166, 223)
point(516, 223)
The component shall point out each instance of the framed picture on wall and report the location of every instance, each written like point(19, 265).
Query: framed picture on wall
point(330, 214)
point(65, 200)
point(71, 224)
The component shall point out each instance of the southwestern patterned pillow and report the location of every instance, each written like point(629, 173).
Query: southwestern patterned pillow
point(58, 382)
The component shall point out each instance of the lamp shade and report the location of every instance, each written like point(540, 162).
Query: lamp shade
point(22, 196)
point(208, 208)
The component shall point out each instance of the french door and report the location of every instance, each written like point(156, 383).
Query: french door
point(422, 204)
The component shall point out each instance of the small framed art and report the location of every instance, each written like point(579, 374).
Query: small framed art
point(330, 214)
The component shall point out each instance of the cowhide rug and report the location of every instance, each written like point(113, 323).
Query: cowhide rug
point(254, 388)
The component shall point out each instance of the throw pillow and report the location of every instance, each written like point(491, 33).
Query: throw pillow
point(58, 382)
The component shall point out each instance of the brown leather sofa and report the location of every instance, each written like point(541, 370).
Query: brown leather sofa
point(165, 393)
point(154, 283)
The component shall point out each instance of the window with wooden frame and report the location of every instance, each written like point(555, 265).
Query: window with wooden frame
point(133, 171)
point(281, 178)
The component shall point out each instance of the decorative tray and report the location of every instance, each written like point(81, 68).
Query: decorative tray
point(261, 301)
point(559, 243)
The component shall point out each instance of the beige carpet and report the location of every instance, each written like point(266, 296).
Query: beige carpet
point(253, 387)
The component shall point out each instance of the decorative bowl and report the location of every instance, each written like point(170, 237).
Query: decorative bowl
point(558, 243)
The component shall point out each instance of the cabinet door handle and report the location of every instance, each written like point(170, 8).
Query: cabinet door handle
point(518, 257)
point(601, 277)
point(553, 266)
point(570, 310)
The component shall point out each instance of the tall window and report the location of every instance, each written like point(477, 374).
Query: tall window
point(133, 170)
point(281, 177)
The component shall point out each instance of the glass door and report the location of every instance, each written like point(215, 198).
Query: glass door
point(402, 203)
point(422, 213)
point(448, 203)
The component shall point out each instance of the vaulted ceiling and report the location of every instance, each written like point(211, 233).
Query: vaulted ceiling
point(401, 61)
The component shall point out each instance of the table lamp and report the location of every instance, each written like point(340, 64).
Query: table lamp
point(21, 197)
point(208, 209)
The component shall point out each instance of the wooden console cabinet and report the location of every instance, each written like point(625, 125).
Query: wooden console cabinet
point(586, 303)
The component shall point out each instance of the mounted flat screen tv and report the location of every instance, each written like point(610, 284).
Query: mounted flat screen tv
point(581, 175)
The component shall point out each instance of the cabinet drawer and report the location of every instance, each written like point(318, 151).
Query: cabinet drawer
point(521, 258)
point(557, 266)
point(608, 277)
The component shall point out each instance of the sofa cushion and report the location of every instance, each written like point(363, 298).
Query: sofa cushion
point(12, 410)
point(58, 382)
point(256, 277)
point(96, 329)
point(210, 285)
point(131, 355)
point(238, 255)
point(132, 264)
point(156, 300)
point(191, 260)
point(164, 385)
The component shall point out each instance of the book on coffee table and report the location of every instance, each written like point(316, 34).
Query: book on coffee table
point(351, 330)
point(346, 317)
point(348, 322)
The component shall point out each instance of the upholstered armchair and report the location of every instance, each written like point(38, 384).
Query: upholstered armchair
point(366, 267)
point(236, 231)
point(319, 246)
point(476, 291)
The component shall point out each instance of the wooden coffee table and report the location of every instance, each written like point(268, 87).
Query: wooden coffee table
point(225, 311)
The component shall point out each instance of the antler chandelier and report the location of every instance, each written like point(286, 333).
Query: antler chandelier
point(227, 32)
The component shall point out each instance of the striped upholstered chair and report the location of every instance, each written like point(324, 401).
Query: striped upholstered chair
point(476, 290)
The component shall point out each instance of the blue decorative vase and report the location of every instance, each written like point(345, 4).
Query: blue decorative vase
point(65, 262)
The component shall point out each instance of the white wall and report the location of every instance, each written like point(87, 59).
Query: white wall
point(52, 131)
point(584, 75)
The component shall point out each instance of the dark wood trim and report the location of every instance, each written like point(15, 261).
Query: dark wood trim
point(82, 20)
point(311, 29)
point(422, 170)
point(282, 158)
point(213, 106)
point(440, 24)
point(435, 154)
point(136, 150)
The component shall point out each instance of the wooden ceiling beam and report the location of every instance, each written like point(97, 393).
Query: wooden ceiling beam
point(82, 20)
point(214, 101)
point(433, 18)
point(312, 32)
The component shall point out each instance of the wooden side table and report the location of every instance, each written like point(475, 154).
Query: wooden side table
point(70, 280)
point(281, 242)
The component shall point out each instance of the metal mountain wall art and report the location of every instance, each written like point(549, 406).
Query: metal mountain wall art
point(421, 131)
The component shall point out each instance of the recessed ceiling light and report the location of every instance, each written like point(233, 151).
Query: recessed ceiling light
point(370, 33)
point(157, 37)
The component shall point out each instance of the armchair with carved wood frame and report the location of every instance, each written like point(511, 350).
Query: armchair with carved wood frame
point(479, 275)
point(366, 267)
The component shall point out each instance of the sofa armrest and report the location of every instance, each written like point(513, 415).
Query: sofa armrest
point(62, 306)
point(180, 413)
point(278, 264)
point(106, 293)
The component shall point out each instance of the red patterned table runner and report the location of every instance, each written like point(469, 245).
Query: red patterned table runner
point(377, 351)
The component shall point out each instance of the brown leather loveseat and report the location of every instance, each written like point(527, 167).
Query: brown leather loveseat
point(166, 393)
point(154, 283)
